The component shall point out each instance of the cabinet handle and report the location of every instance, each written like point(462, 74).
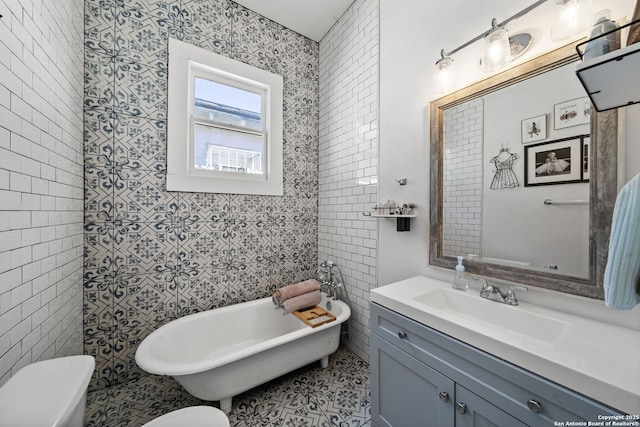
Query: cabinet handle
point(402, 335)
point(534, 406)
point(461, 408)
point(444, 396)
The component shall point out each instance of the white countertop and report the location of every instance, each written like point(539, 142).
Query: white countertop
point(597, 359)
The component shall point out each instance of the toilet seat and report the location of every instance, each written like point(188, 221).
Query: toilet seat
point(194, 416)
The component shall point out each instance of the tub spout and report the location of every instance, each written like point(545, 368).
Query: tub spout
point(332, 290)
point(327, 278)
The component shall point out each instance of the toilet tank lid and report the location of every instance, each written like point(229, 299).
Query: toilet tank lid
point(45, 393)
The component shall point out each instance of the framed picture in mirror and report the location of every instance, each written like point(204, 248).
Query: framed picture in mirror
point(585, 158)
point(572, 113)
point(534, 129)
point(554, 162)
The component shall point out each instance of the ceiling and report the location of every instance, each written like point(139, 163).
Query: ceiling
point(311, 18)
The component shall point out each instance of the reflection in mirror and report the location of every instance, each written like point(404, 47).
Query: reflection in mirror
point(499, 149)
point(487, 209)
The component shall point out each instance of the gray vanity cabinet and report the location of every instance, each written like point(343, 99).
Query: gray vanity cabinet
point(474, 411)
point(421, 377)
point(406, 390)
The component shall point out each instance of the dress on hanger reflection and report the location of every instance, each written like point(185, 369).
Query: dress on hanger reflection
point(552, 165)
point(504, 176)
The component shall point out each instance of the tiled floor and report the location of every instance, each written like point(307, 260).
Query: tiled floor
point(308, 397)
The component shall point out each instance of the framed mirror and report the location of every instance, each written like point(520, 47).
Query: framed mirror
point(530, 142)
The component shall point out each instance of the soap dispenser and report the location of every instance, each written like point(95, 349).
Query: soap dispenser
point(459, 281)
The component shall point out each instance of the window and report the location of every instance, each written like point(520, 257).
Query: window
point(224, 124)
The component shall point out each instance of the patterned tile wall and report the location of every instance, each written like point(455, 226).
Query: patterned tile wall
point(153, 255)
point(349, 158)
point(40, 182)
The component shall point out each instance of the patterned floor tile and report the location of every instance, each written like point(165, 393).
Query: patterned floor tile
point(310, 396)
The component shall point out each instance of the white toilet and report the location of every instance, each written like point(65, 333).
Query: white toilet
point(195, 416)
point(51, 393)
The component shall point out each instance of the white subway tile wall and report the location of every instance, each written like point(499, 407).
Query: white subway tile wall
point(348, 164)
point(462, 191)
point(41, 181)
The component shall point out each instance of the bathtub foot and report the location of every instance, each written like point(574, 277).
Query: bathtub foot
point(324, 362)
point(225, 405)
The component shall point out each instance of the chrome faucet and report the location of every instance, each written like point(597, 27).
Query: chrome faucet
point(328, 279)
point(495, 293)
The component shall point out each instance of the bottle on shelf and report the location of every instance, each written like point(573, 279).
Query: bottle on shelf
point(600, 45)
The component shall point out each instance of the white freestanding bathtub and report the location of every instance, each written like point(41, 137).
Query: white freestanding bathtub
point(220, 353)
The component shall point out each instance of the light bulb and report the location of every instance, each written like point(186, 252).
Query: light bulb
point(445, 75)
point(497, 51)
point(570, 19)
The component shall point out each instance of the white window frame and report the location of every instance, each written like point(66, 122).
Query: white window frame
point(187, 61)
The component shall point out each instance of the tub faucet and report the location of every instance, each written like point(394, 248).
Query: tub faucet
point(333, 289)
point(328, 279)
point(496, 293)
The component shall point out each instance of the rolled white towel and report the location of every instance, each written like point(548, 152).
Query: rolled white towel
point(302, 301)
point(622, 274)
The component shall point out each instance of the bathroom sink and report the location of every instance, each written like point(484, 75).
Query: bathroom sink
point(494, 315)
point(596, 358)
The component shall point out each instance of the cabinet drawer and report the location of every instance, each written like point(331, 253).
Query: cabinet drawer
point(507, 386)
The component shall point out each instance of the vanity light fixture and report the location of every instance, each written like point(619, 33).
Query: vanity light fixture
point(497, 51)
point(445, 74)
point(570, 19)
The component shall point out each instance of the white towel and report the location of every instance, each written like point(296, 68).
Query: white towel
point(622, 274)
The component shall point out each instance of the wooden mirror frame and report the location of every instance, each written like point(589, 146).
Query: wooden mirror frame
point(602, 185)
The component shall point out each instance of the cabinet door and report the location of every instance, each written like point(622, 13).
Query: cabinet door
point(474, 411)
point(405, 391)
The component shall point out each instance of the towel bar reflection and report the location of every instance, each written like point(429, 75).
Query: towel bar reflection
point(565, 202)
